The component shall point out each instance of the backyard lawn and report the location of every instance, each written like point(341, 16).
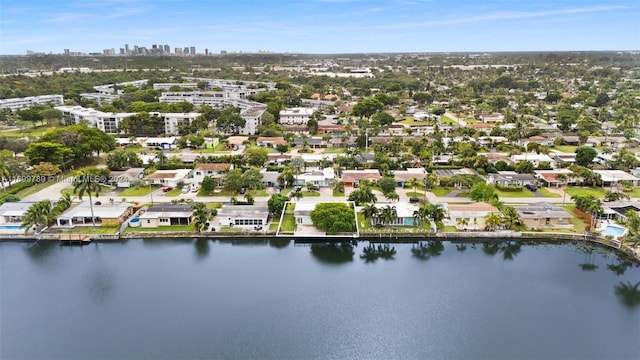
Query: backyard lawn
point(98, 230)
point(177, 228)
point(548, 194)
point(138, 191)
point(512, 194)
point(441, 191)
point(565, 148)
point(409, 121)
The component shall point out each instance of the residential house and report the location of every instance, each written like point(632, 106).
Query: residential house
point(126, 178)
point(105, 214)
point(563, 157)
point(620, 207)
point(533, 158)
point(403, 176)
point(169, 177)
point(542, 215)
point(164, 214)
point(215, 171)
point(165, 143)
point(313, 142)
point(614, 177)
point(271, 141)
point(243, 215)
point(550, 177)
point(474, 215)
point(11, 213)
point(354, 177)
point(323, 178)
point(404, 214)
point(270, 178)
point(511, 178)
point(302, 212)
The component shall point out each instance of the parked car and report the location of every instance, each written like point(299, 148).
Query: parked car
point(297, 188)
point(185, 189)
point(195, 188)
point(167, 189)
point(314, 188)
point(414, 199)
point(531, 187)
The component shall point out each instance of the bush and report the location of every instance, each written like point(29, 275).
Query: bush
point(8, 198)
point(510, 188)
point(17, 187)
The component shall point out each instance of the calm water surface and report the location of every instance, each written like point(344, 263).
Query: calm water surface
point(197, 299)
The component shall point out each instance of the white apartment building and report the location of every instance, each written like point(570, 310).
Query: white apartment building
point(167, 86)
point(107, 122)
point(296, 116)
point(27, 102)
point(172, 120)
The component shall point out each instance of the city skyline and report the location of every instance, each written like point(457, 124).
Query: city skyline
point(320, 26)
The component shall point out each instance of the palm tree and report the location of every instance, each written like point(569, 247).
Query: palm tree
point(595, 209)
point(392, 196)
point(4, 172)
point(370, 211)
point(512, 218)
point(297, 164)
point(86, 183)
point(463, 223)
point(429, 181)
point(388, 214)
point(436, 213)
point(421, 215)
point(37, 215)
point(413, 182)
point(63, 204)
point(493, 221)
point(201, 214)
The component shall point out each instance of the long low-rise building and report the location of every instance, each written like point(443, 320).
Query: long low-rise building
point(27, 102)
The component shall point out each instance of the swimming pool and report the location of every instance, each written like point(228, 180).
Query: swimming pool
point(10, 227)
point(614, 230)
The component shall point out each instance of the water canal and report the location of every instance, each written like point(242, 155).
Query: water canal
point(191, 299)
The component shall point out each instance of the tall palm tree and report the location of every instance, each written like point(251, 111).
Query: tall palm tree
point(39, 215)
point(370, 211)
point(595, 209)
point(436, 213)
point(86, 183)
point(63, 204)
point(413, 182)
point(297, 164)
point(512, 218)
point(421, 215)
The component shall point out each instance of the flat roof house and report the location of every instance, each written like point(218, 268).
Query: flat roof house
point(404, 214)
point(169, 177)
point(166, 215)
point(11, 213)
point(105, 214)
point(215, 171)
point(243, 215)
point(353, 177)
point(473, 214)
point(126, 178)
point(511, 178)
point(544, 215)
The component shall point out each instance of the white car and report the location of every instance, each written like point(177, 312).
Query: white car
point(195, 188)
point(185, 189)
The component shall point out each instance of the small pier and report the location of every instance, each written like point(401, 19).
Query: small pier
point(74, 239)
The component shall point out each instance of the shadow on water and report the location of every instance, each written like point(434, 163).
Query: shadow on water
point(509, 249)
point(155, 242)
point(279, 243)
point(202, 248)
point(333, 253)
point(427, 250)
point(244, 241)
point(628, 293)
point(371, 253)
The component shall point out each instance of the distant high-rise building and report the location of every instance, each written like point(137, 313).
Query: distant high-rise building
point(167, 49)
point(126, 48)
point(66, 52)
point(206, 52)
point(192, 50)
point(185, 51)
point(121, 51)
point(178, 51)
point(223, 52)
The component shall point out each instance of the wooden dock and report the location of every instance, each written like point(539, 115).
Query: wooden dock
point(71, 239)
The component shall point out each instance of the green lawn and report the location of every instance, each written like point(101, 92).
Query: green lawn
point(419, 195)
point(103, 189)
point(214, 205)
point(174, 192)
point(92, 230)
point(257, 193)
point(584, 191)
point(464, 194)
point(578, 224)
point(409, 121)
point(138, 191)
point(441, 191)
point(566, 148)
point(221, 192)
point(450, 228)
point(219, 148)
point(176, 228)
point(335, 150)
point(546, 193)
point(34, 189)
point(512, 194)
point(29, 132)
point(634, 193)
point(288, 223)
point(363, 223)
point(273, 226)
point(337, 193)
point(447, 120)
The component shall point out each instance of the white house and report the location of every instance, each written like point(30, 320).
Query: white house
point(27, 102)
point(534, 158)
point(169, 177)
point(473, 214)
point(163, 214)
point(296, 115)
point(243, 215)
point(215, 171)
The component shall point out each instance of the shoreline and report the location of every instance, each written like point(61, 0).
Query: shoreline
point(386, 237)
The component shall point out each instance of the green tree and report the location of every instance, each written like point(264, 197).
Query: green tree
point(256, 156)
point(86, 182)
point(362, 195)
point(201, 215)
point(233, 180)
point(229, 121)
point(333, 218)
point(585, 155)
point(483, 192)
point(493, 221)
point(388, 214)
point(38, 215)
point(387, 184)
point(367, 107)
point(52, 152)
point(286, 177)
point(208, 185)
point(252, 178)
point(512, 218)
point(276, 203)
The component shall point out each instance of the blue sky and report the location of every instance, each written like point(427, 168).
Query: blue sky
point(320, 26)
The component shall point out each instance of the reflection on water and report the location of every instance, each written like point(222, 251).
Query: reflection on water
point(628, 293)
point(279, 243)
point(202, 248)
point(39, 251)
point(333, 253)
point(371, 253)
point(425, 251)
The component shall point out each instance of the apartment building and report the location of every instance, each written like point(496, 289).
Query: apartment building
point(27, 102)
point(298, 115)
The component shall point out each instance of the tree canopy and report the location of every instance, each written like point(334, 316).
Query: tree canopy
point(333, 218)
